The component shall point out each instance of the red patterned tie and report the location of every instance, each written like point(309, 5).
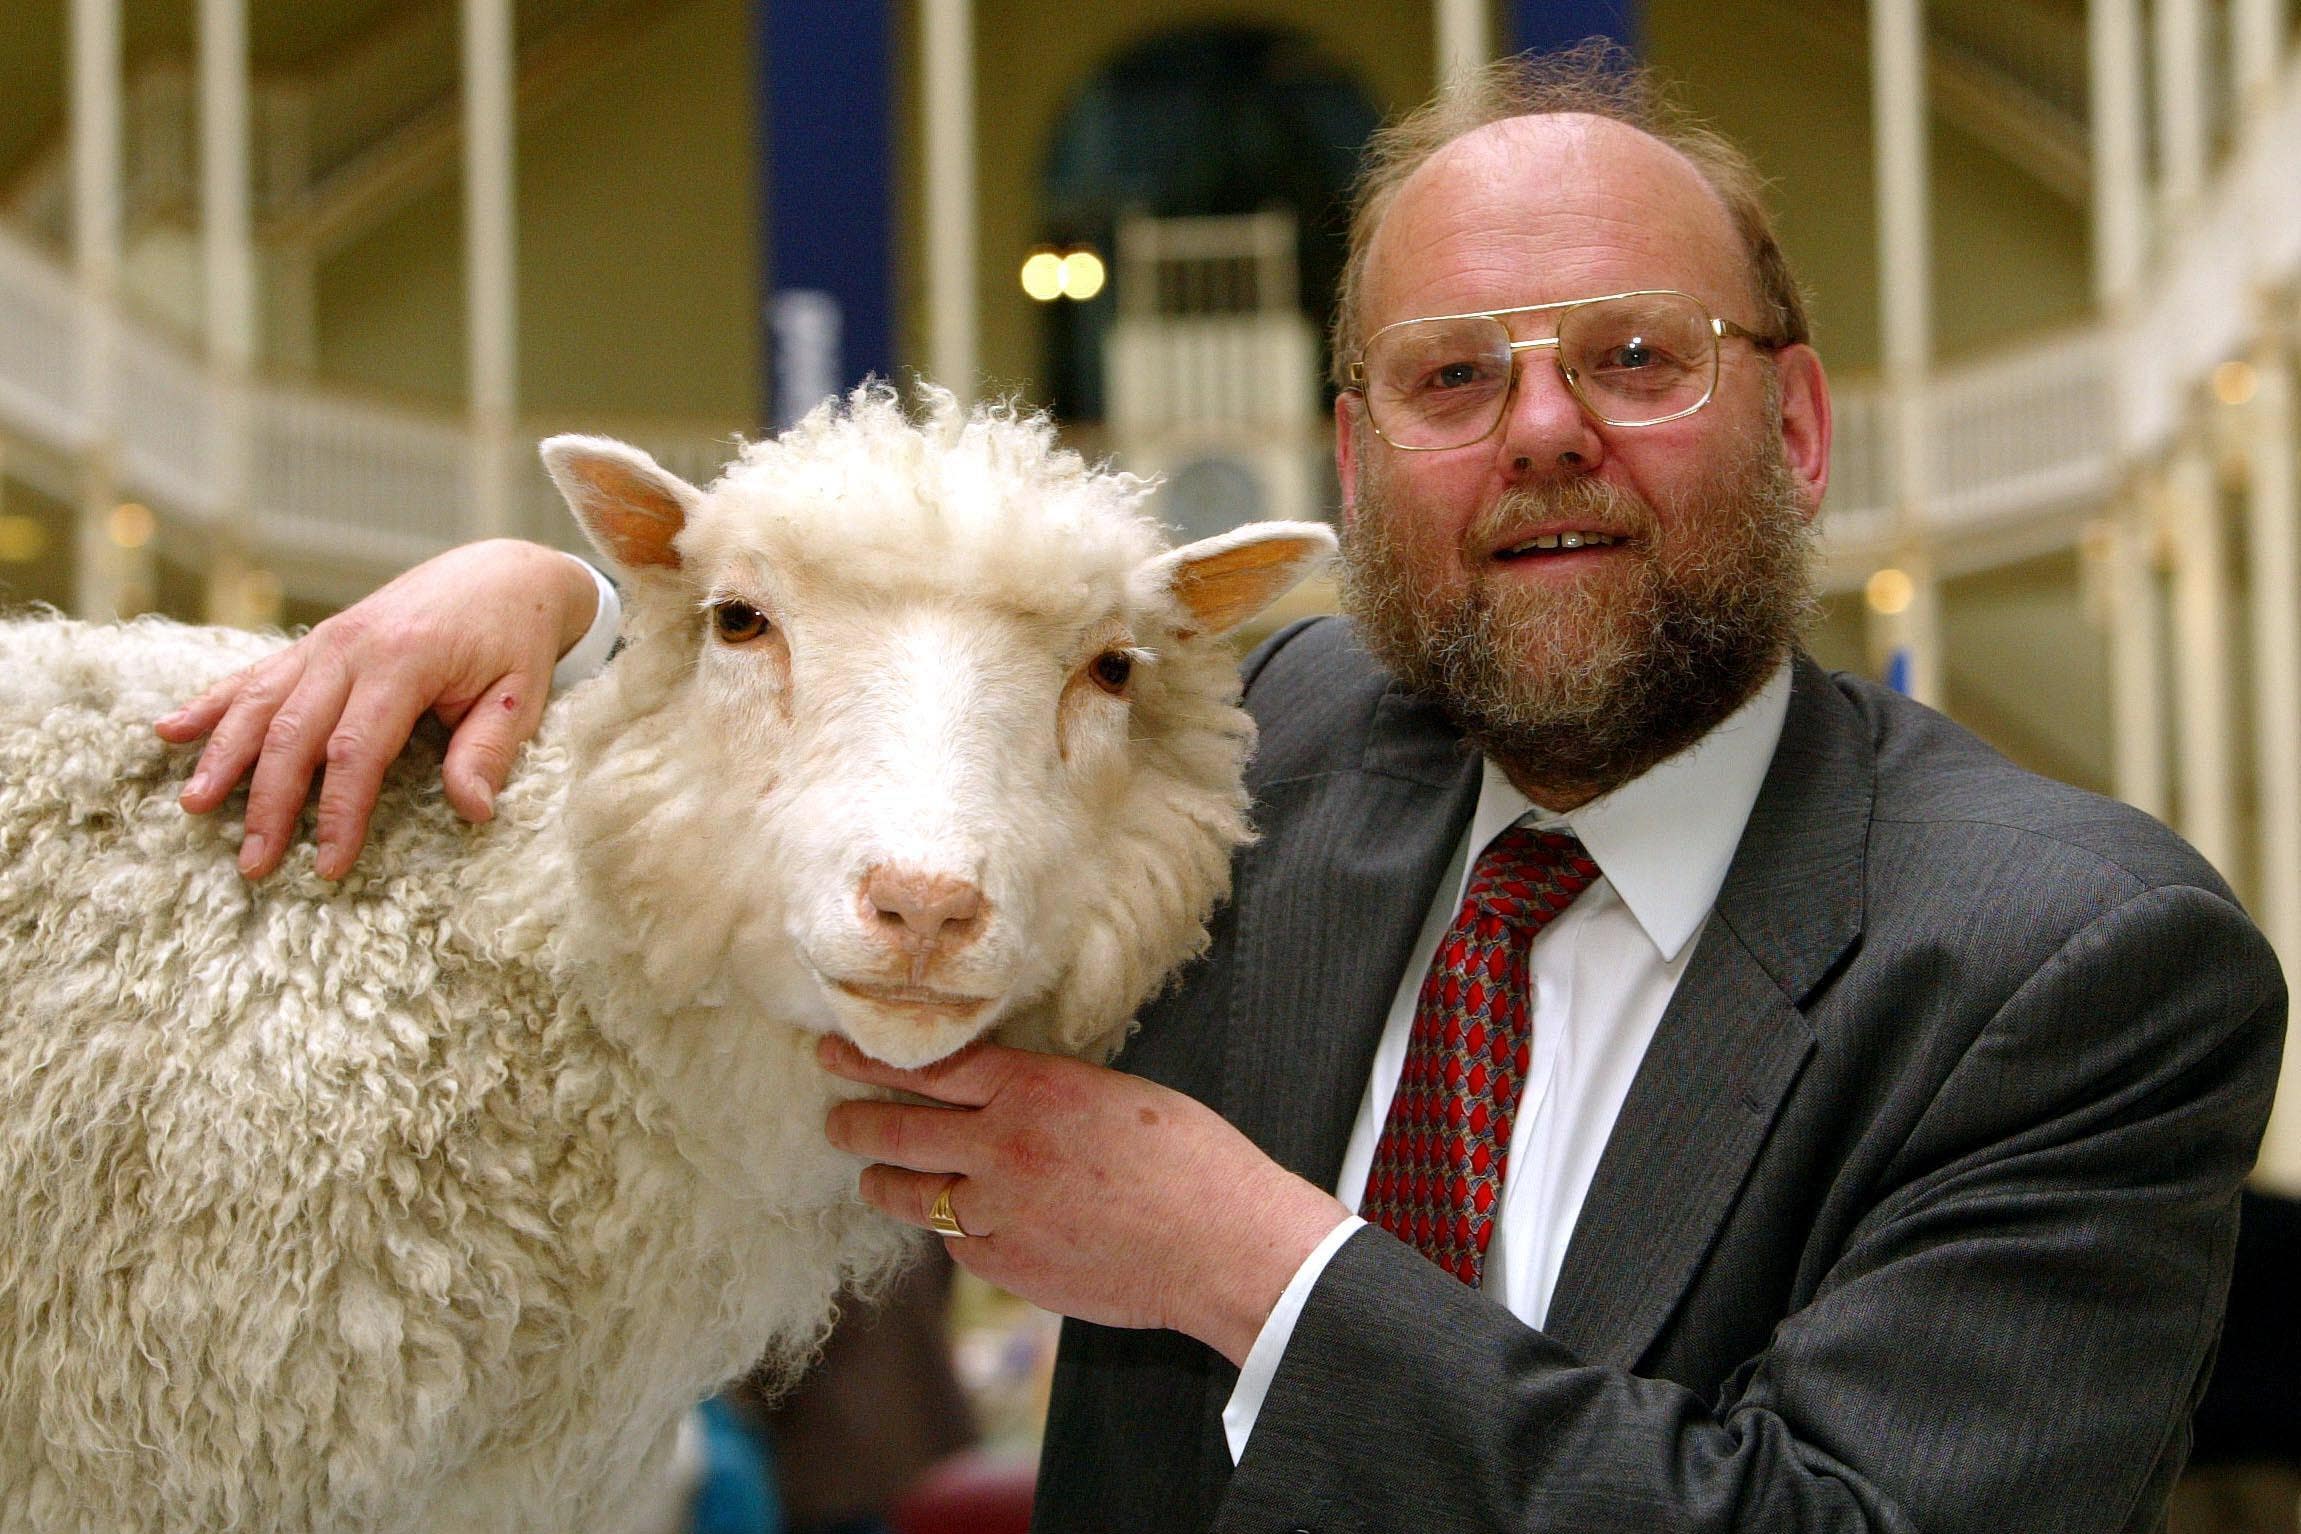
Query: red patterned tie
point(1438, 1168)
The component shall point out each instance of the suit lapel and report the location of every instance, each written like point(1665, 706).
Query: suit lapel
point(1328, 908)
point(1732, 1040)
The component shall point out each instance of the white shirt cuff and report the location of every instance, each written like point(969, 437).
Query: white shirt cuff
point(1254, 1376)
point(589, 654)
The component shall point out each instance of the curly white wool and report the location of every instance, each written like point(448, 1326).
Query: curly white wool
point(430, 1200)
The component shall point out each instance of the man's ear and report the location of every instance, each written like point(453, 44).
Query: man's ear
point(1805, 423)
point(1222, 581)
point(631, 507)
point(1346, 412)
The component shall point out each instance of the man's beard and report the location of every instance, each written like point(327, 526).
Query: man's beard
point(1577, 691)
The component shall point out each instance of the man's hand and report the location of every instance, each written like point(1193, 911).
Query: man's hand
point(471, 635)
point(1086, 1191)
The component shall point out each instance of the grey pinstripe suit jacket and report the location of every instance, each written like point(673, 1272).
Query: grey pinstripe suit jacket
point(1918, 1216)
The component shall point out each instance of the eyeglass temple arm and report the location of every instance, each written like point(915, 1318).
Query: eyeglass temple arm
point(1723, 328)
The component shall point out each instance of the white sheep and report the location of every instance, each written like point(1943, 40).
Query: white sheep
point(430, 1201)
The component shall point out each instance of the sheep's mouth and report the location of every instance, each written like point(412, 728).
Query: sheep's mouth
point(915, 996)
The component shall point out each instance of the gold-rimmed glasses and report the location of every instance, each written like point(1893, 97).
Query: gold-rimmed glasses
point(1630, 359)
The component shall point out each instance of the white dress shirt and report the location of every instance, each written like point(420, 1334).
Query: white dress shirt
point(590, 653)
point(1602, 971)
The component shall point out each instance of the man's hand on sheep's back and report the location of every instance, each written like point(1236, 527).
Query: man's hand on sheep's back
point(1085, 1190)
point(470, 635)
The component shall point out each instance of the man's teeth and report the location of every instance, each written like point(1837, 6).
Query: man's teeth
point(1564, 541)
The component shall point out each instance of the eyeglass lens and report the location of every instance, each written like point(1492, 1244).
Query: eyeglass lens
point(1632, 361)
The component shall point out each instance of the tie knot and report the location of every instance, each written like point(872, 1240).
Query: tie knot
point(1526, 876)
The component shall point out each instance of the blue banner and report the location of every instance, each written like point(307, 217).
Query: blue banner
point(827, 189)
point(1548, 25)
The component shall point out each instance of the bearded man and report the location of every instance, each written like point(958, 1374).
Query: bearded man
point(1640, 1080)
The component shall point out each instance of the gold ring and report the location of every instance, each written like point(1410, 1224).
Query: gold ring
point(939, 1215)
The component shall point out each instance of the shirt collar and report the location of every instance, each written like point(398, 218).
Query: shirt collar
point(1663, 839)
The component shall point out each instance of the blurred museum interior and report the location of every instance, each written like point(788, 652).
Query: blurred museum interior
point(289, 288)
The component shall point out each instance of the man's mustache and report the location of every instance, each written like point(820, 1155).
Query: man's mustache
point(1603, 507)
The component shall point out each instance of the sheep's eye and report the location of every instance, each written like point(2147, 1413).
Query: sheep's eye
point(737, 621)
point(1111, 671)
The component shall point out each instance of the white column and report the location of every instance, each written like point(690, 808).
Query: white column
point(947, 75)
point(2135, 616)
point(2180, 51)
point(2276, 470)
point(2120, 213)
point(96, 133)
point(228, 268)
point(227, 238)
point(2256, 47)
point(2201, 657)
point(112, 581)
point(2273, 533)
point(1465, 36)
point(491, 271)
point(2136, 622)
point(1905, 278)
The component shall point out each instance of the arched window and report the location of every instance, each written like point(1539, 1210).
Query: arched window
point(1208, 120)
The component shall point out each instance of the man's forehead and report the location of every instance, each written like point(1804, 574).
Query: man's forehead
point(1565, 191)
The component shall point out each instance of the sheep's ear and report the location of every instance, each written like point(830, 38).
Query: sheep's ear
point(630, 505)
point(1224, 580)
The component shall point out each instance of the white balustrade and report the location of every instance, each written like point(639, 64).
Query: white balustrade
point(1858, 512)
point(357, 479)
point(1243, 370)
point(2022, 434)
point(39, 348)
point(170, 425)
point(2029, 430)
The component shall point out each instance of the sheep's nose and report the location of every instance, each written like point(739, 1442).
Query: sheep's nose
point(917, 908)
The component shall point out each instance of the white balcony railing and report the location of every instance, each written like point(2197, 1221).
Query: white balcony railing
point(171, 424)
point(370, 483)
point(1252, 370)
point(2025, 434)
point(2028, 430)
point(40, 351)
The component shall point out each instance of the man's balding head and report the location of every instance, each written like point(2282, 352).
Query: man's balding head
point(1596, 81)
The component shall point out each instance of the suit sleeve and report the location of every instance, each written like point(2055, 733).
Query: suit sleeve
point(2010, 1338)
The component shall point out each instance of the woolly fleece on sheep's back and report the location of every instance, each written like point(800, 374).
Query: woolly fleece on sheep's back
point(321, 1200)
point(430, 1200)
